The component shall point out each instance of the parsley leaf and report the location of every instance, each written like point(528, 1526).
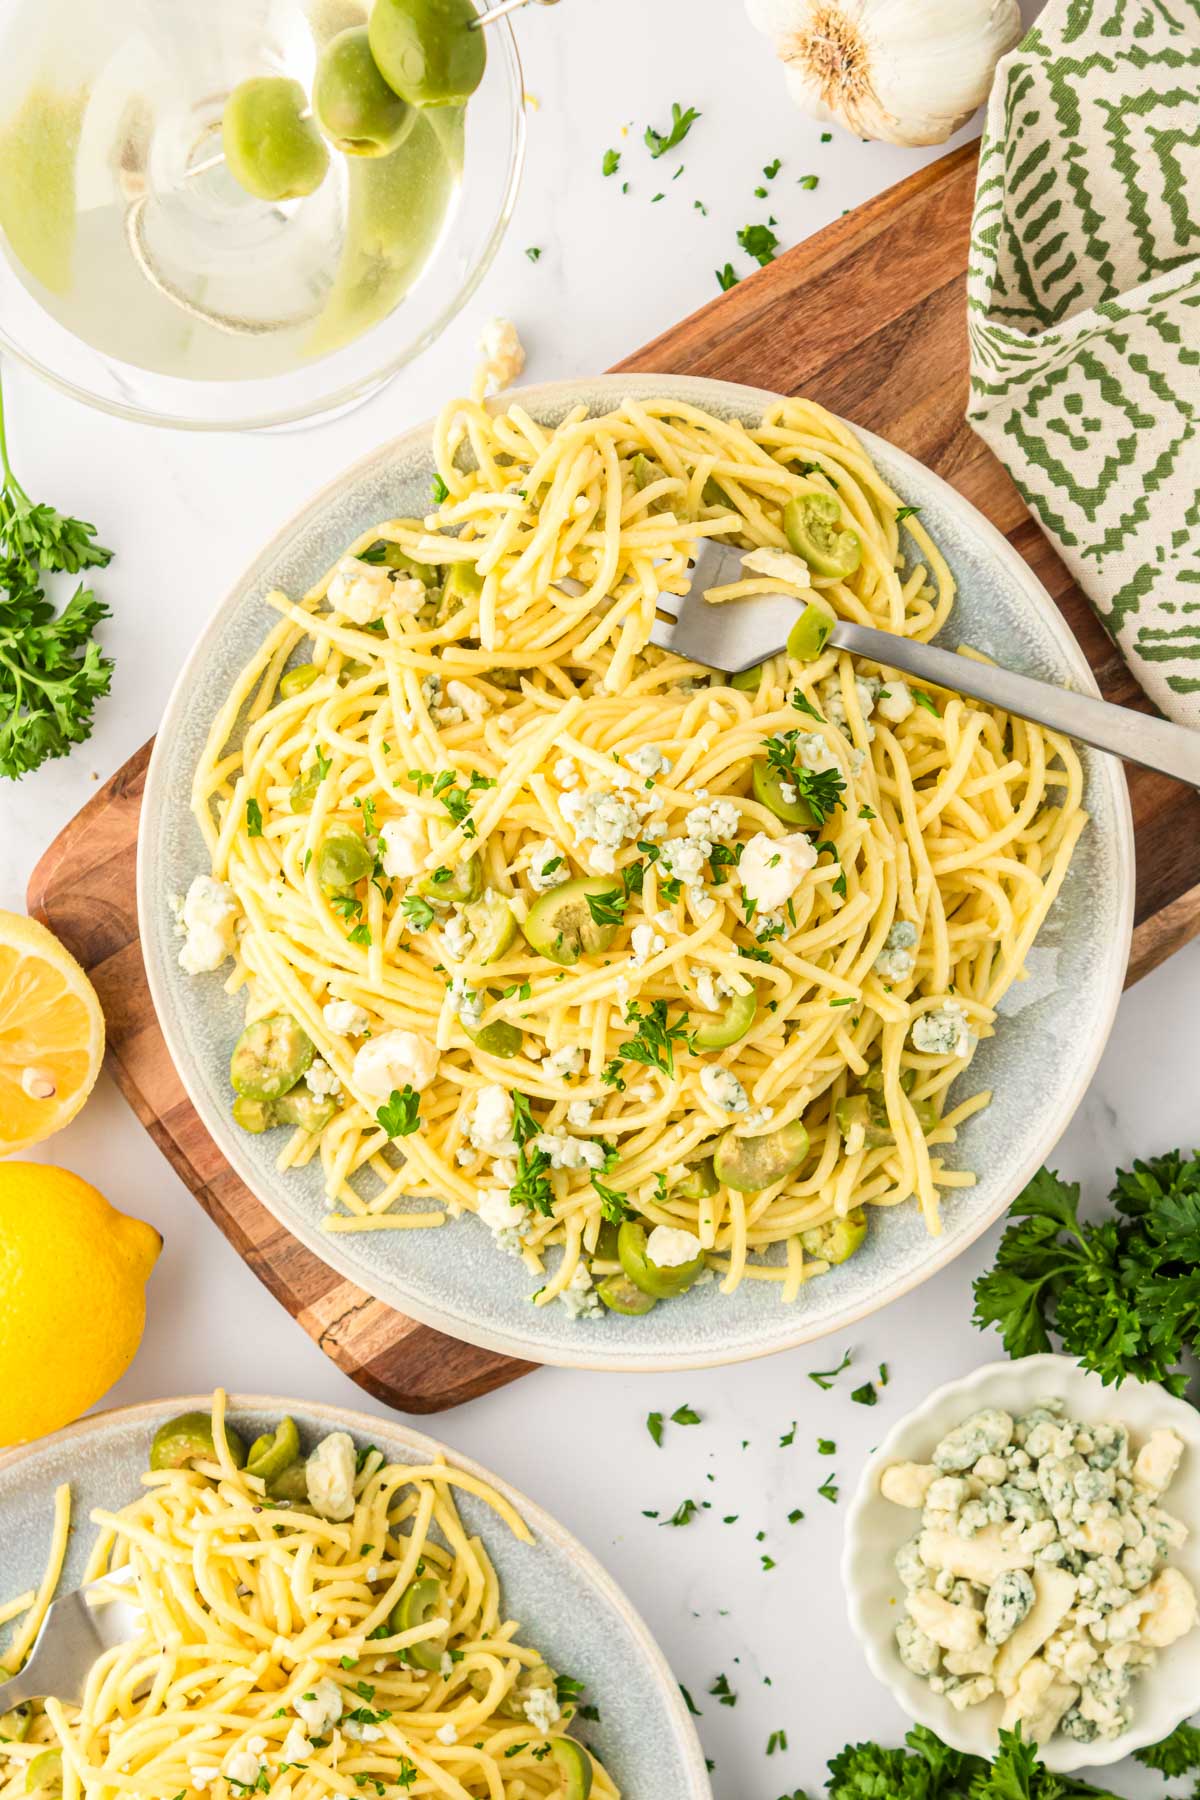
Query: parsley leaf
point(611, 162)
point(417, 911)
point(653, 1044)
point(927, 701)
point(722, 1691)
point(654, 1425)
point(1178, 1754)
point(613, 1203)
point(684, 1513)
point(658, 142)
point(685, 1415)
point(727, 277)
point(400, 1114)
point(441, 493)
point(760, 242)
point(825, 1378)
point(51, 669)
point(906, 512)
point(608, 907)
point(253, 819)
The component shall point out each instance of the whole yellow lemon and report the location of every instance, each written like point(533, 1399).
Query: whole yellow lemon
point(73, 1275)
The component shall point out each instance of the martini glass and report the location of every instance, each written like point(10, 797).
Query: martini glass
point(138, 276)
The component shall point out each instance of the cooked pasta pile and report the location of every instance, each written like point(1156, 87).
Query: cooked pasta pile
point(846, 871)
point(270, 1659)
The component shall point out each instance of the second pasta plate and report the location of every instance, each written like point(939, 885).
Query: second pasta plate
point(1049, 1029)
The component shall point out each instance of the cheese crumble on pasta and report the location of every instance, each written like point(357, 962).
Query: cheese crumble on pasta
point(666, 973)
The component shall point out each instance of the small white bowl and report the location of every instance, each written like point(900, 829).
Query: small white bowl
point(875, 1529)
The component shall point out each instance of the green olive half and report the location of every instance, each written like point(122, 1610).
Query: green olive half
point(623, 1296)
point(836, 1241)
point(295, 681)
point(271, 149)
point(768, 783)
point(497, 1039)
point(575, 1765)
point(420, 1602)
point(463, 582)
point(560, 924)
point(430, 52)
point(352, 103)
point(14, 1724)
point(189, 1438)
point(270, 1057)
point(750, 1164)
point(663, 1282)
point(813, 526)
point(748, 681)
point(810, 634)
point(493, 926)
point(299, 1107)
point(44, 1775)
point(700, 1182)
point(291, 1484)
point(342, 859)
point(459, 885)
point(726, 1027)
point(274, 1451)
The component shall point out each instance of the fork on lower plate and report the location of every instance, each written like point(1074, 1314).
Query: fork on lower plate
point(739, 634)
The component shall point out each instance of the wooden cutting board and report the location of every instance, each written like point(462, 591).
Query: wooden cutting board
point(868, 317)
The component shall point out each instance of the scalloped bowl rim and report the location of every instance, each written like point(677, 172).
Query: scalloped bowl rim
point(875, 1529)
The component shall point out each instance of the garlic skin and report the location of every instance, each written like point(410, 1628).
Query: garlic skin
point(906, 71)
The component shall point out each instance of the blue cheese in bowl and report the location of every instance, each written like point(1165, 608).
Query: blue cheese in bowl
point(1040, 1574)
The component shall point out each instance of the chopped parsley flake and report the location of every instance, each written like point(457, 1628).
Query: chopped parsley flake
point(658, 142)
point(611, 162)
point(825, 1378)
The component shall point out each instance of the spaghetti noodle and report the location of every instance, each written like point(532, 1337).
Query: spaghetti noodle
point(478, 708)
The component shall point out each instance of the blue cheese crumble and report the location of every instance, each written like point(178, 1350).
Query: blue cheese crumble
point(943, 1032)
point(1039, 1576)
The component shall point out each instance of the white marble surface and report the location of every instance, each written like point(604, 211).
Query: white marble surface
point(185, 513)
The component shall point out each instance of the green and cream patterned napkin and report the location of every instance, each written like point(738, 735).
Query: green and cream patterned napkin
point(1084, 313)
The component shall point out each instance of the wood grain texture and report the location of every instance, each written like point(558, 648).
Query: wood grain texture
point(869, 318)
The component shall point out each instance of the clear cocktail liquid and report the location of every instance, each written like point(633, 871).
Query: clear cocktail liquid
point(119, 216)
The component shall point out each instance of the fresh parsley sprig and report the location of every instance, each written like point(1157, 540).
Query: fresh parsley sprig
point(1122, 1292)
point(659, 142)
point(400, 1114)
point(930, 1770)
point(820, 789)
point(653, 1042)
point(52, 670)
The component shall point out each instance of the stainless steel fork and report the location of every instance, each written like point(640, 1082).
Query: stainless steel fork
point(738, 634)
point(75, 1631)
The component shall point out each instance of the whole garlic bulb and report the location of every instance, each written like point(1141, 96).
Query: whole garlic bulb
point(907, 71)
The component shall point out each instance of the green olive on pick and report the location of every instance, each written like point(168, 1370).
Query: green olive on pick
point(353, 104)
point(271, 149)
point(430, 52)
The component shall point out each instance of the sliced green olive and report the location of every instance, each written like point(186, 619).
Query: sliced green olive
point(253, 1115)
point(290, 1484)
point(836, 1241)
point(509, 679)
point(813, 526)
point(352, 670)
point(750, 1164)
point(700, 1182)
point(663, 1282)
point(14, 1725)
point(304, 789)
point(352, 103)
point(643, 471)
point(576, 1766)
point(342, 859)
point(497, 1039)
point(391, 556)
point(460, 885)
point(606, 1241)
point(294, 681)
point(270, 1057)
point(271, 149)
point(713, 494)
point(560, 924)
point(463, 582)
point(312, 1112)
point(274, 1451)
point(420, 1602)
point(44, 1774)
point(810, 633)
point(748, 681)
point(427, 50)
point(853, 1111)
point(493, 926)
point(727, 1026)
point(869, 1110)
point(623, 1296)
point(189, 1438)
point(768, 784)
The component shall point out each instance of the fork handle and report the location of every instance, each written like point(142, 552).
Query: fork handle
point(1137, 737)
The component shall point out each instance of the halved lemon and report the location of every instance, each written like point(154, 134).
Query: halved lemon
point(51, 1034)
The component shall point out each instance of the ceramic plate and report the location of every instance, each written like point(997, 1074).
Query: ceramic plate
point(568, 1606)
point(1052, 1027)
point(875, 1529)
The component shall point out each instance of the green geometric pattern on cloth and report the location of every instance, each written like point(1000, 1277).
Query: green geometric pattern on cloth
point(1084, 313)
